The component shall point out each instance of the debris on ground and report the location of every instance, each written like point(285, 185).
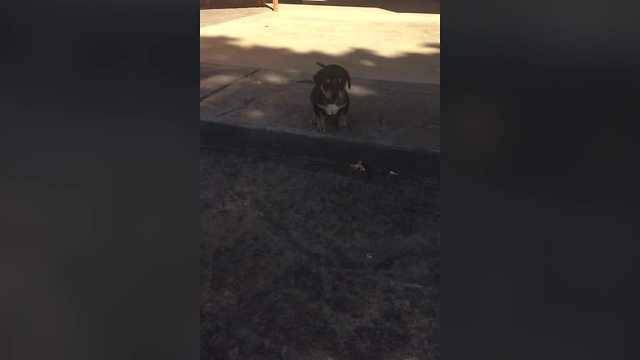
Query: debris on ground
point(359, 166)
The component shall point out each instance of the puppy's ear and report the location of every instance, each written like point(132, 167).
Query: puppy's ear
point(318, 77)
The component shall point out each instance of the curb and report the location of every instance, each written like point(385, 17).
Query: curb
point(340, 151)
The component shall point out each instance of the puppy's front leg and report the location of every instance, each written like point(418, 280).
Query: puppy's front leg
point(320, 123)
point(313, 118)
point(342, 121)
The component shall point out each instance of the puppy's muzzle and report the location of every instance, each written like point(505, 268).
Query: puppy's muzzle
point(327, 93)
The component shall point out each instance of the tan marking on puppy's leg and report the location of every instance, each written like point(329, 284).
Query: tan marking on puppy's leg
point(321, 124)
point(313, 118)
point(342, 122)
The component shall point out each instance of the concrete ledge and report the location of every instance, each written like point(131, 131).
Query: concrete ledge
point(220, 4)
point(376, 157)
point(395, 126)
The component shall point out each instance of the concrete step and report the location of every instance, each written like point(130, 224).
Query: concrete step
point(395, 126)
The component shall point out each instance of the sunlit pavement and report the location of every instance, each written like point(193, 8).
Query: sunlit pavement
point(371, 42)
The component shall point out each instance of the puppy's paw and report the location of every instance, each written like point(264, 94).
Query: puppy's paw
point(343, 124)
point(321, 129)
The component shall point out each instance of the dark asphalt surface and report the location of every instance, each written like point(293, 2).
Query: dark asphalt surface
point(302, 260)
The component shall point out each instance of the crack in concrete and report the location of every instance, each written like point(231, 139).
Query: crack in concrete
point(231, 111)
point(217, 90)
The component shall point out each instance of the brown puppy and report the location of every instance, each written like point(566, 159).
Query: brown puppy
point(329, 96)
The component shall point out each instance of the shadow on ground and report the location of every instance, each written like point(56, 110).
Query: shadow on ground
point(387, 113)
point(304, 262)
point(362, 63)
point(300, 262)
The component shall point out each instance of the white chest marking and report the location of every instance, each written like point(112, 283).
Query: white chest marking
point(331, 109)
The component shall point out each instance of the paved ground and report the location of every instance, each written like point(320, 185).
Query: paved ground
point(396, 114)
point(371, 38)
point(302, 261)
point(401, 6)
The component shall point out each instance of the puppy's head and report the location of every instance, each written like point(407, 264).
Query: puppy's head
point(332, 80)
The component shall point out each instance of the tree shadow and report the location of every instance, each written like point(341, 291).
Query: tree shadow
point(259, 329)
point(361, 63)
point(399, 6)
point(394, 103)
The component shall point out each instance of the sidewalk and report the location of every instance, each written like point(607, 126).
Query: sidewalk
point(371, 42)
point(395, 126)
point(256, 68)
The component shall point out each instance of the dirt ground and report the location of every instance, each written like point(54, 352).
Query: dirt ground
point(302, 260)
